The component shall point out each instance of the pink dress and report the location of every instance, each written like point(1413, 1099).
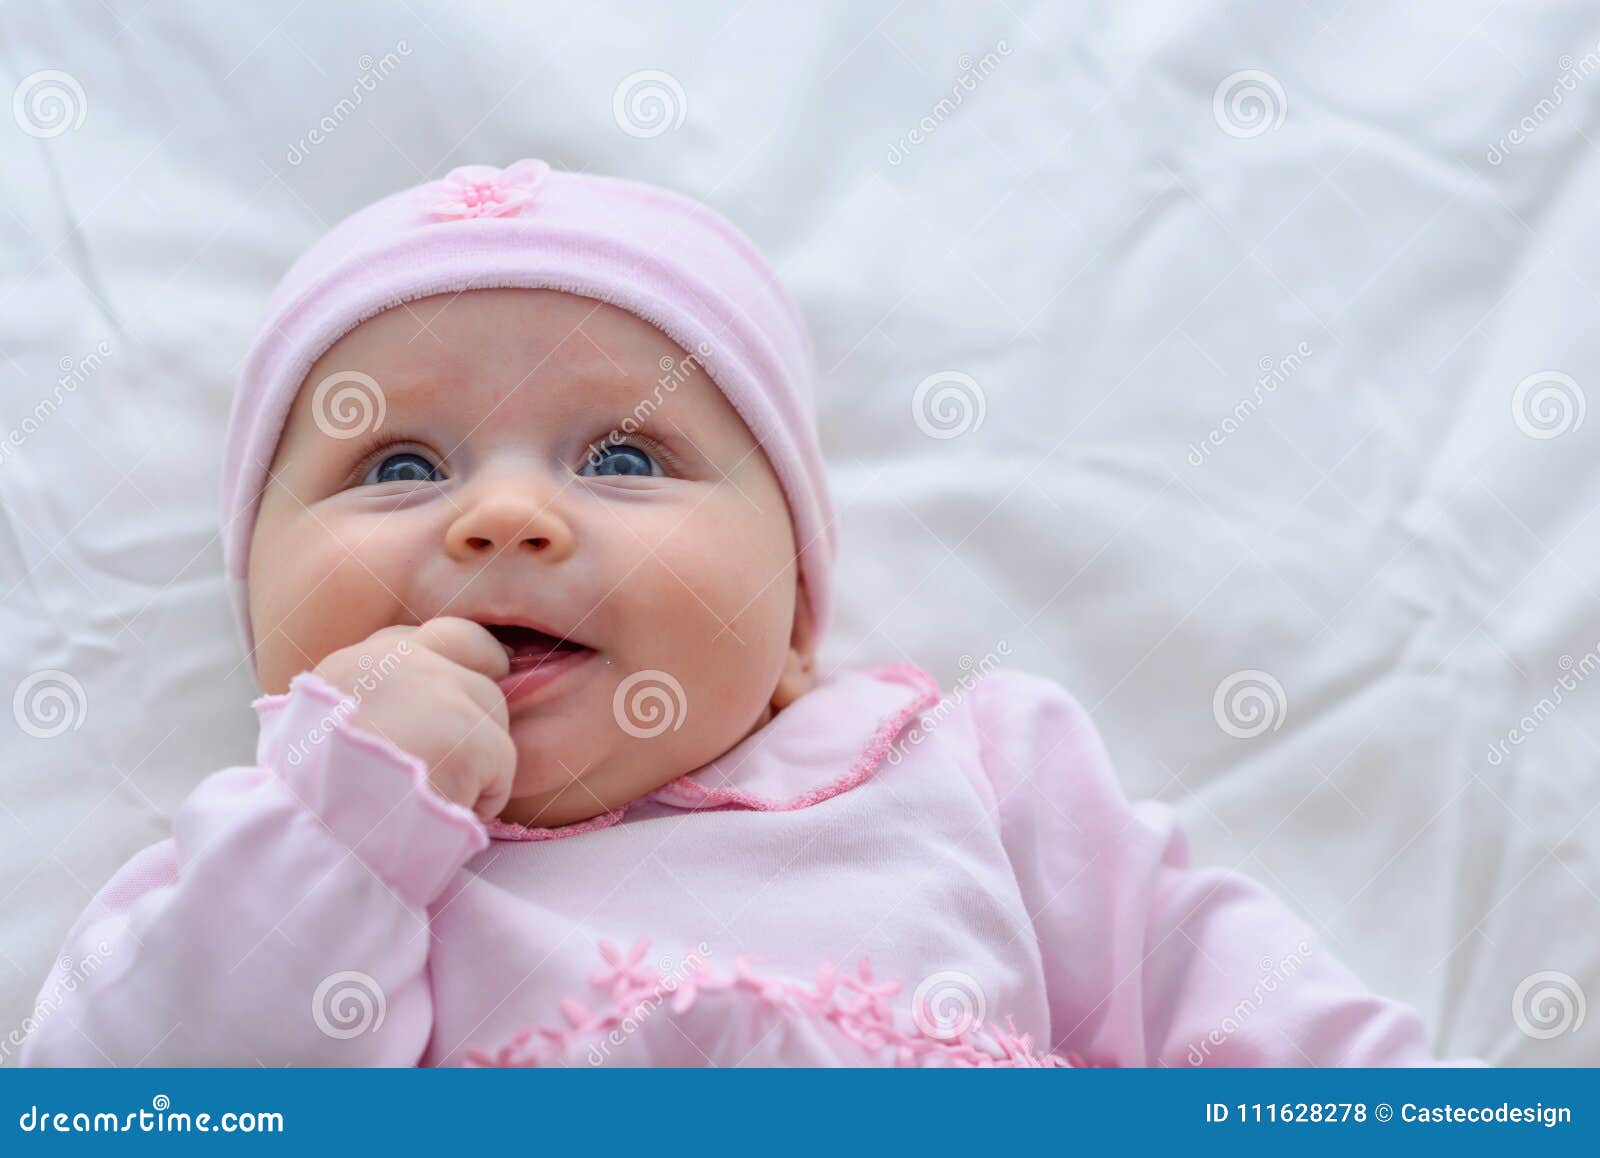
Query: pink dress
point(877, 877)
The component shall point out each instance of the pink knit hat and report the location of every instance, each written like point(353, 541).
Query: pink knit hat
point(656, 254)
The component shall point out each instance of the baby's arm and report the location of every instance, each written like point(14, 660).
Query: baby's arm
point(1148, 961)
point(286, 921)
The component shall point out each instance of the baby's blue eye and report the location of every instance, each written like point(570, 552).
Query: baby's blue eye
point(619, 460)
point(404, 467)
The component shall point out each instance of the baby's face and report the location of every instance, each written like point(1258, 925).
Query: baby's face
point(553, 459)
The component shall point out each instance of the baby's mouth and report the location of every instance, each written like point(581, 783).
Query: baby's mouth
point(529, 648)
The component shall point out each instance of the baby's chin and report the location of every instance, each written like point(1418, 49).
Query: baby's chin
point(570, 802)
point(558, 784)
point(568, 772)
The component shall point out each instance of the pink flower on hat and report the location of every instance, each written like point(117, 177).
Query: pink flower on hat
point(484, 191)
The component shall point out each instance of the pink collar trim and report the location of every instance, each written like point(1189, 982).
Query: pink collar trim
point(849, 721)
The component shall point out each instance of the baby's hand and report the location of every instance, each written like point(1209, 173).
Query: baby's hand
point(437, 699)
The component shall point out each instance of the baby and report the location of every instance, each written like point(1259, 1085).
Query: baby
point(530, 542)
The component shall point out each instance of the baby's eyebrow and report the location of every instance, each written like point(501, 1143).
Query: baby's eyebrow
point(399, 387)
point(408, 390)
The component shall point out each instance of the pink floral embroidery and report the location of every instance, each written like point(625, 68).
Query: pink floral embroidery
point(703, 978)
point(857, 1005)
point(771, 990)
point(624, 974)
point(484, 191)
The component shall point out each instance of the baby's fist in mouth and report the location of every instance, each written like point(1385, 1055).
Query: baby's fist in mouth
point(434, 693)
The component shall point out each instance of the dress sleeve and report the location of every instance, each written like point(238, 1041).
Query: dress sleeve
point(1148, 961)
point(285, 921)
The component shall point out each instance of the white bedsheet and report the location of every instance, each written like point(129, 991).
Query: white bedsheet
point(1063, 204)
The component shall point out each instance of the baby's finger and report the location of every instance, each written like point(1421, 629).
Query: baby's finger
point(464, 642)
point(497, 754)
point(489, 696)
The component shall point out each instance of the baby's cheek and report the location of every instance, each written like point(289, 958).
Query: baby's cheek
point(734, 630)
point(327, 598)
point(732, 582)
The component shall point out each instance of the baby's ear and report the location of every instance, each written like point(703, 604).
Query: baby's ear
point(799, 673)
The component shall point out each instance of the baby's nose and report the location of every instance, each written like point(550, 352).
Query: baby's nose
point(508, 521)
